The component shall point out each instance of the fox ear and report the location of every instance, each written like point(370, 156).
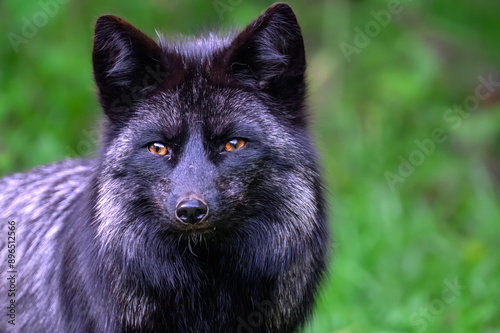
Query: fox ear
point(269, 55)
point(127, 65)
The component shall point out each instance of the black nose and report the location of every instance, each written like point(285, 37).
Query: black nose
point(191, 211)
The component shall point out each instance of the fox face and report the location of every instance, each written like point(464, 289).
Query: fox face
point(195, 129)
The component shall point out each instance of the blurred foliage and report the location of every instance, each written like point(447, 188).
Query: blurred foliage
point(400, 243)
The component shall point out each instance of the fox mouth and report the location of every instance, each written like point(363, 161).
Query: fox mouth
point(205, 226)
point(197, 242)
point(199, 230)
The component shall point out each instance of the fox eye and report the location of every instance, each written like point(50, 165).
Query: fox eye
point(234, 144)
point(158, 148)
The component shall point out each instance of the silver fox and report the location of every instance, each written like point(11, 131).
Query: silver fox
point(204, 210)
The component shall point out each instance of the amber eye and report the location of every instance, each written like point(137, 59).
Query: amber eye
point(234, 144)
point(158, 148)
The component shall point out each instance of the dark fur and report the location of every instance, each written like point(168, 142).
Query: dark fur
point(98, 245)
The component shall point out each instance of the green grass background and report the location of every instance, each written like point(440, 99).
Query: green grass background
point(398, 247)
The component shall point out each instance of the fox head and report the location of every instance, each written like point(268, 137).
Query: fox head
point(205, 140)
